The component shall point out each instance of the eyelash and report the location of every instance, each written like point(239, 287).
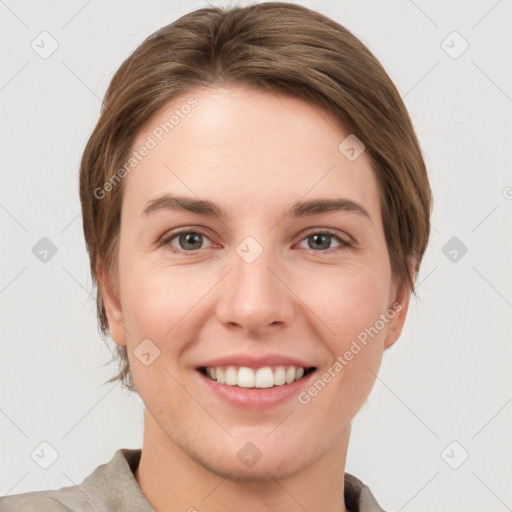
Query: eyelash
point(344, 244)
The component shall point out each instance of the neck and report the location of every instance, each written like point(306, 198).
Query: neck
point(171, 480)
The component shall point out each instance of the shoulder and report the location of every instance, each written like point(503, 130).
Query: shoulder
point(65, 499)
point(36, 501)
point(359, 497)
point(111, 486)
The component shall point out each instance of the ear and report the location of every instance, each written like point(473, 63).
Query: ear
point(110, 296)
point(399, 304)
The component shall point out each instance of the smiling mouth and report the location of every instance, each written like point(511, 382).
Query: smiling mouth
point(259, 378)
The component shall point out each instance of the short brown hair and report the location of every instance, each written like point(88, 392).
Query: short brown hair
point(274, 46)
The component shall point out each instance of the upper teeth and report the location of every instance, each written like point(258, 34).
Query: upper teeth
point(245, 377)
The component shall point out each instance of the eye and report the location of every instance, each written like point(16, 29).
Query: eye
point(321, 240)
point(188, 241)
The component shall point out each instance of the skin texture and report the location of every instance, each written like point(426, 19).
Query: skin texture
point(254, 154)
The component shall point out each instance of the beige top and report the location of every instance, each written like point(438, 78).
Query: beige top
point(112, 487)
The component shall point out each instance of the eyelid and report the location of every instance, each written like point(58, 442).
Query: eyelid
point(343, 236)
point(345, 240)
point(170, 235)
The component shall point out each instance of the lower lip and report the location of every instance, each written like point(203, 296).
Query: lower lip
point(256, 398)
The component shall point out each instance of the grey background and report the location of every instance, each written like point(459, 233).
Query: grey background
point(448, 377)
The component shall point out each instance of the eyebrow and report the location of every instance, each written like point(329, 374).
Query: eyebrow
point(169, 202)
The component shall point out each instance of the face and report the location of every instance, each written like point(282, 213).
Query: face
point(259, 279)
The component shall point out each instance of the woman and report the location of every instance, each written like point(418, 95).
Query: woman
point(256, 208)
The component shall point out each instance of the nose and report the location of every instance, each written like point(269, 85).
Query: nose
point(255, 297)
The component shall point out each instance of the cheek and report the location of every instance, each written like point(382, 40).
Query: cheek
point(348, 300)
point(158, 306)
point(361, 332)
point(351, 307)
point(163, 304)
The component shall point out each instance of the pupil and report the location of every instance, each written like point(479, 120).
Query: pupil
point(321, 238)
point(188, 238)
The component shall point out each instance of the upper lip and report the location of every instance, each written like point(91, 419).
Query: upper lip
point(255, 361)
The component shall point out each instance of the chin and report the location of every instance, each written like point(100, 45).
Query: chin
point(261, 471)
point(244, 461)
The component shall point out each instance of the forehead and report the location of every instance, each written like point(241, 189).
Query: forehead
point(242, 147)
